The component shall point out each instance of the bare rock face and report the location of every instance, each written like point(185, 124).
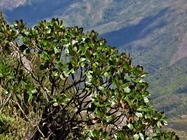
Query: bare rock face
point(11, 4)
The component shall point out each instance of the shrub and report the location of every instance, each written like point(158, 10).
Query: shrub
point(68, 84)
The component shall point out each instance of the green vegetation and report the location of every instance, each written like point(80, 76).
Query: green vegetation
point(152, 31)
point(172, 79)
point(58, 82)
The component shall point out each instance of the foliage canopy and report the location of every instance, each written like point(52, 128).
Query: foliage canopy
point(58, 82)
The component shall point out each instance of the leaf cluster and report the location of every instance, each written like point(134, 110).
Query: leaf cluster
point(69, 85)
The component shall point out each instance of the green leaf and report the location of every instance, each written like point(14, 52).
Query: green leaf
point(57, 50)
point(45, 55)
point(141, 108)
point(33, 91)
point(165, 122)
point(101, 88)
point(55, 73)
point(141, 80)
point(96, 133)
point(55, 104)
point(82, 59)
point(30, 98)
point(97, 111)
point(16, 23)
point(11, 77)
point(139, 114)
point(136, 136)
point(48, 30)
point(146, 100)
point(130, 126)
point(147, 116)
point(19, 96)
point(109, 118)
point(89, 76)
point(141, 136)
point(127, 90)
point(107, 74)
point(144, 75)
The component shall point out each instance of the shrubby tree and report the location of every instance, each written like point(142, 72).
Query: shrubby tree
point(58, 82)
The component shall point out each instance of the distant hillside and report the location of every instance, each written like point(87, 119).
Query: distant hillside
point(153, 32)
point(11, 4)
point(32, 11)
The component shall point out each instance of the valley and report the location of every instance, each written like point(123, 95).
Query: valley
point(153, 32)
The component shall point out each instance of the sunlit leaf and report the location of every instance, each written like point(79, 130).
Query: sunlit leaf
point(139, 114)
point(127, 90)
point(55, 104)
point(136, 137)
point(101, 88)
point(130, 126)
point(33, 91)
point(146, 100)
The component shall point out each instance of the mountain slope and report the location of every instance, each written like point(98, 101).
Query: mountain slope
point(11, 4)
point(33, 11)
point(153, 32)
